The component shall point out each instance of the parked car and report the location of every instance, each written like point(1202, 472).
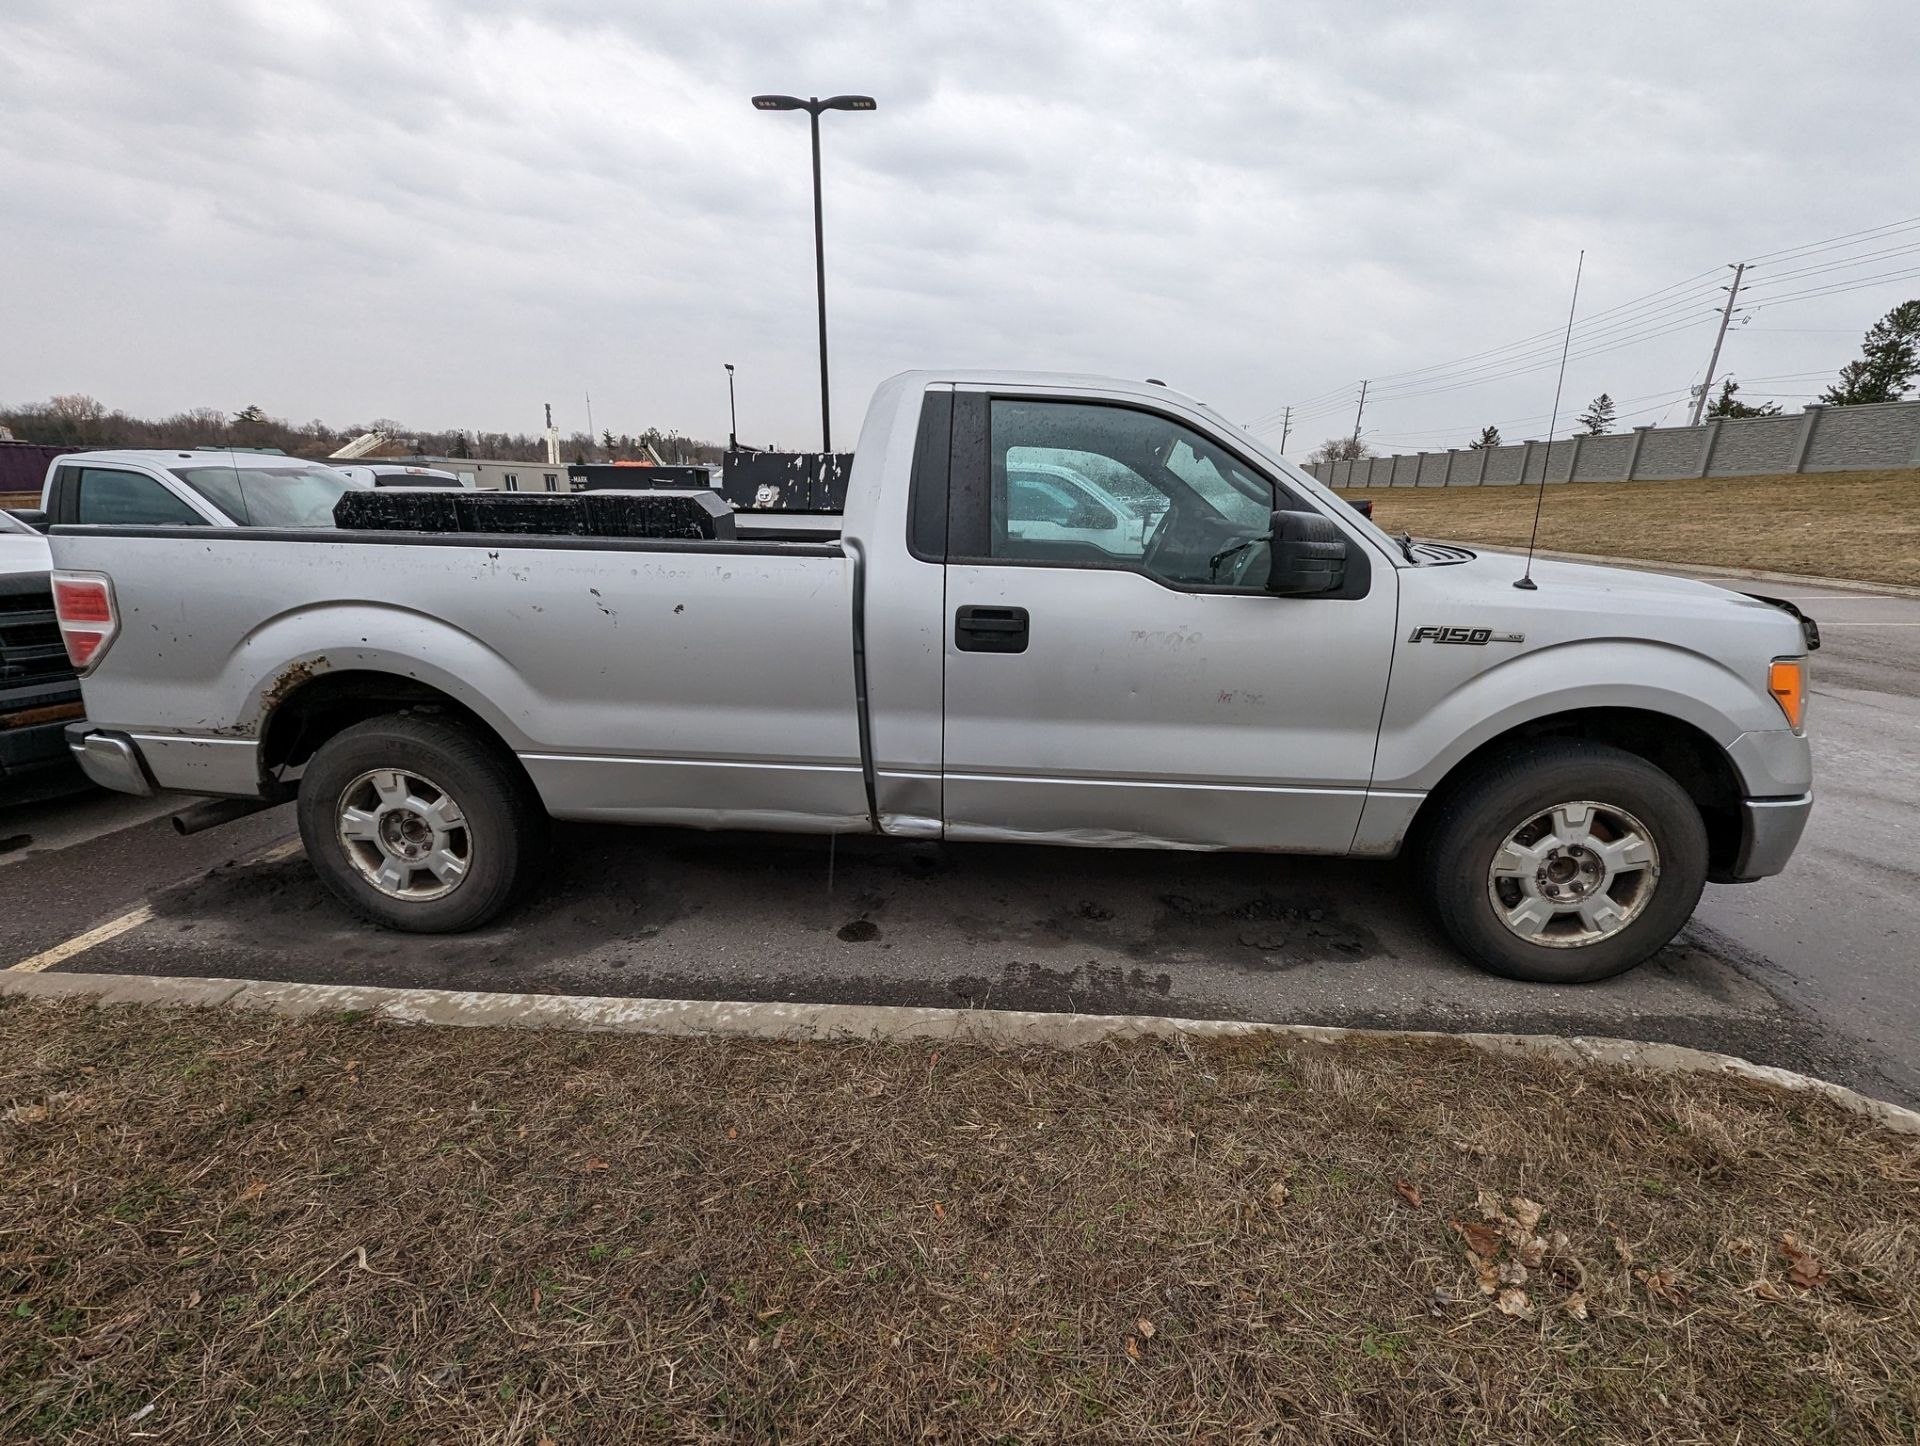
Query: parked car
point(1261, 669)
point(147, 488)
point(39, 685)
point(401, 474)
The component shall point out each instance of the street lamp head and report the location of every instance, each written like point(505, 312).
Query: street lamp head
point(848, 102)
point(727, 365)
point(778, 102)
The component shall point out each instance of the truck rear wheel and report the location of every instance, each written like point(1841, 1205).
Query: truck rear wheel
point(418, 823)
point(1565, 862)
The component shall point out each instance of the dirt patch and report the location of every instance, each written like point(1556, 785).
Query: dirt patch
point(281, 910)
point(1263, 931)
point(214, 1224)
point(1828, 524)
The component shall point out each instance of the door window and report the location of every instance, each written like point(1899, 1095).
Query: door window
point(1082, 484)
point(127, 499)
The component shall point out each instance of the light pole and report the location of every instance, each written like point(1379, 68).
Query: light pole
point(813, 105)
point(733, 417)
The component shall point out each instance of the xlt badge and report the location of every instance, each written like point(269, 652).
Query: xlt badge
point(1472, 637)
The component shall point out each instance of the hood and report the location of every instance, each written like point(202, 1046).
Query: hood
point(1581, 602)
point(1593, 581)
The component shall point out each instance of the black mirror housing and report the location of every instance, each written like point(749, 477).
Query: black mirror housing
point(1309, 555)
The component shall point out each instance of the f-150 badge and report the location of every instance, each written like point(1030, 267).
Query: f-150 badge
point(1472, 637)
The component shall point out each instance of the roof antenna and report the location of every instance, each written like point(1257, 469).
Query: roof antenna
point(1526, 580)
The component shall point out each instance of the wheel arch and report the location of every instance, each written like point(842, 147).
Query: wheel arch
point(326, 703)
point(1683, 751)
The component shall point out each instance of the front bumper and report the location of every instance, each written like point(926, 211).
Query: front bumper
point(33, 757)
point(1770, 829)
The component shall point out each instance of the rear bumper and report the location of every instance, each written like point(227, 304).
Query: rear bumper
point(1770, 829)
point(111, 760)
point(145, 763)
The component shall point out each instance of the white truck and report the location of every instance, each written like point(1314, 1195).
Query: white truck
point(1257, 667)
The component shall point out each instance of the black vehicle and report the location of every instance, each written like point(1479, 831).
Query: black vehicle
point(39, 690)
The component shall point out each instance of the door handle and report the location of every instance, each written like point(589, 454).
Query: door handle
point(990, 630)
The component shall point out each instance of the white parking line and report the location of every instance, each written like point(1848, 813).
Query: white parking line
point(132, 919)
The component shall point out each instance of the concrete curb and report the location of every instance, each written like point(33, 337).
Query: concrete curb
point(1648, 564)
point(732, 1019)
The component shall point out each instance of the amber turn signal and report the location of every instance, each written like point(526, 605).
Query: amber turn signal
point(1787, 681)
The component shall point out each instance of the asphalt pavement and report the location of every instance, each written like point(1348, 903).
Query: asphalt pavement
point(1817, 970)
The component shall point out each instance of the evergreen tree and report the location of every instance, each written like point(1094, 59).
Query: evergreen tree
point(1597, 420)
point(1489, 437)
point(1889, 360)
point(1730, 406)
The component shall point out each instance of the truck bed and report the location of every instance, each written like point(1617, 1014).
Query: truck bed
point(629, 675)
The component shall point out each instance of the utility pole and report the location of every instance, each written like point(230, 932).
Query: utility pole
point(1286, 427)
point(1361, 412)
point(1706, 387)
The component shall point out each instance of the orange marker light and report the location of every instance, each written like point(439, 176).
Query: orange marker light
point(1787, 681)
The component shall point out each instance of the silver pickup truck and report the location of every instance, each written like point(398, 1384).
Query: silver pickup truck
point(1059, 609)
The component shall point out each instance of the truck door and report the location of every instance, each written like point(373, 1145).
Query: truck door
point(1115, 670)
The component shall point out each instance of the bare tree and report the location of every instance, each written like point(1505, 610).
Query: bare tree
point(1340, 449)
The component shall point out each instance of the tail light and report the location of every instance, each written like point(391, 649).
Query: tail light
point(83, 602)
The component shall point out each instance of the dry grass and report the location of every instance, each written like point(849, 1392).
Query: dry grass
point(217, 1227)
point(1829, 524)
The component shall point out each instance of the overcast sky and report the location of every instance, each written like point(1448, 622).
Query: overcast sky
point(451, 211)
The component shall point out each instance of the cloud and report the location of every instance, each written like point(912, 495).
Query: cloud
point(452, 212)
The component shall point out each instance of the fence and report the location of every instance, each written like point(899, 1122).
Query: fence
point(1819, 439)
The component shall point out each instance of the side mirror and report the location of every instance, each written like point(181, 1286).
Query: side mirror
point(1309, 555)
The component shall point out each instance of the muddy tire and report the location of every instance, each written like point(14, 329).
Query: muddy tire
point(420, 824)
point(1564, 862)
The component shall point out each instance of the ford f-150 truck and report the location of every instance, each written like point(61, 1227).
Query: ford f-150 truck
point(1259, 668)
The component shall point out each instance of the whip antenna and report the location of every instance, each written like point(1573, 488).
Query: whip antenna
point(1526, 579)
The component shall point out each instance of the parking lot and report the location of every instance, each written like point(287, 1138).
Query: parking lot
point(1814, 970)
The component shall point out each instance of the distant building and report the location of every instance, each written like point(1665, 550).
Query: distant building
point(495, 475)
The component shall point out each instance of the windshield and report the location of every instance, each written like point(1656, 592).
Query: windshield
point(1306, 482)
point(259, 496)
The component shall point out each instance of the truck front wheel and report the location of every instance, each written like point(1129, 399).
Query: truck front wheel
point(1565, 862)
point(418, 823)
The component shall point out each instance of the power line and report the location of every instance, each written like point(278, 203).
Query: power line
point(1836, 290)
point(1850, 262)
point(1652, 315)
point(1833, 241)
point(1611, 331)
point(1534, 340)
point(1652, 303)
